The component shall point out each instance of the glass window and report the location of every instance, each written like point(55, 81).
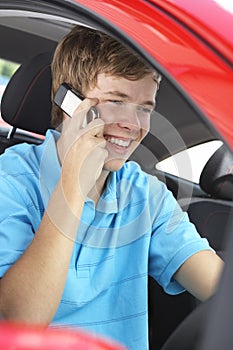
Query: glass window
point(198, 156)
point(7, 69)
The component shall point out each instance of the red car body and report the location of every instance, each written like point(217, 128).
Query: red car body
point(191, 43)
point(194, 44)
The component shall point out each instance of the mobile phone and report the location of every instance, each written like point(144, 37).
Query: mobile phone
point(68, 100)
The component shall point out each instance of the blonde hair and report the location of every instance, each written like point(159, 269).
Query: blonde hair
point(84, 53)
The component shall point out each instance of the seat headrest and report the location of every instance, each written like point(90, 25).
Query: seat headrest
point(26, 102)
point(217, 175)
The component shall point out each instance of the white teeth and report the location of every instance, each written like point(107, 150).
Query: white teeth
point(118, 142)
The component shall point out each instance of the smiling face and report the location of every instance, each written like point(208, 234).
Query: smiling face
point(125, 106)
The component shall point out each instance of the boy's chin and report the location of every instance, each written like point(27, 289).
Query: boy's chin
point(114, 164)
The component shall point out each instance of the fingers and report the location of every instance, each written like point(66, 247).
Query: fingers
point(79, 122)
point(80, 114)
point(95, 128)
point(85, 140)
point(83, 149)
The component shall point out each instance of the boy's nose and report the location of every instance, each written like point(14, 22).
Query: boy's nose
point(129, 119)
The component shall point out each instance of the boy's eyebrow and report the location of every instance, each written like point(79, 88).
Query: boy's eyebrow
point(125, 96)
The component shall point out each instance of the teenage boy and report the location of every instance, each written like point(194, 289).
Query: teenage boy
point(81, 229)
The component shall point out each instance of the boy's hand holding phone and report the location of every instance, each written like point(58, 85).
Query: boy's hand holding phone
point(69, 99)
point(81, 150)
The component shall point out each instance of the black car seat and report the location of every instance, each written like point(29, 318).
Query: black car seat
point(26, 102)
point(210, 214)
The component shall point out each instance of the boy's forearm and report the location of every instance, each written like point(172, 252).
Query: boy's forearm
point(32, 288)
point(200, 274)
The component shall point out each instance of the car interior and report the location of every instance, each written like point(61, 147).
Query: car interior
point(177, 125)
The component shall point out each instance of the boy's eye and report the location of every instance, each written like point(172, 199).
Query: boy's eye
point(145, 110)
point(117, 102)
point(140, 108)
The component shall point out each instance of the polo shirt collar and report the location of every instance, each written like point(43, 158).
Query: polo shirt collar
point(108, 202)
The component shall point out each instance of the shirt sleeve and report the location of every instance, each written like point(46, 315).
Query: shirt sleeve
point(26, 186)
point(174, 238)
point(17, 220)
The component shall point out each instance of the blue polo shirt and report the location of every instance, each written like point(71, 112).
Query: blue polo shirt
point(137, 229)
